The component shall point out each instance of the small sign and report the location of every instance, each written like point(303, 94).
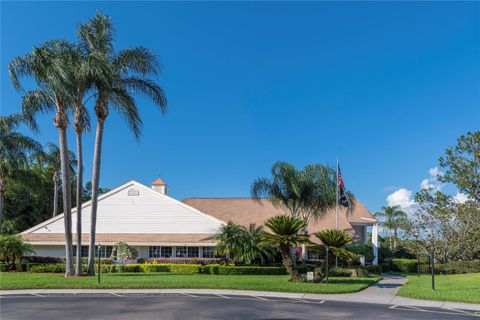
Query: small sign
point(310, 276)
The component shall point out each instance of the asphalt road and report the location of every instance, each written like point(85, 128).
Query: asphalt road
point(190, 307)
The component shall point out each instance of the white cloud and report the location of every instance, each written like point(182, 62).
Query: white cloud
point(432, 183)
point(460, 197)
point(404, 199)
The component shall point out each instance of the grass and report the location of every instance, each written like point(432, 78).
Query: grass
point(455, 287)
point(24, 280)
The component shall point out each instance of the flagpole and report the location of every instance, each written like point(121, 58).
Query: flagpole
point(336, 202)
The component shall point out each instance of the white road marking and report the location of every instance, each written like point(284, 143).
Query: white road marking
point(222, 296)
point(261, 298)
point(37, 295)
point(190, 295)
point(116, 294)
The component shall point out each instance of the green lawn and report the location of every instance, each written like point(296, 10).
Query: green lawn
point(24, 280)
point(456, 287)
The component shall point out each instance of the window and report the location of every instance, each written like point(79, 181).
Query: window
point(133, 192)
point(106, 252)
point(181, 252)
point(159, 252)
point(313, 254)
point(166, 252)
point(193, 252)
point(208, 252)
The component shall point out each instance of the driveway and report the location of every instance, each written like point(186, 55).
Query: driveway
point(202, 306)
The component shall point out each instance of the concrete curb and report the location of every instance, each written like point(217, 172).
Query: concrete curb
point(351, 297)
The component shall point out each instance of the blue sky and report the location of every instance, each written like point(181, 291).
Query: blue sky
point(386, 86)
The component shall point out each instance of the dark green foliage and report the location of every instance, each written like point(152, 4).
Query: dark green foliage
point(374, 269)
point(242, 270)
point(340, 272)
point(3, 267)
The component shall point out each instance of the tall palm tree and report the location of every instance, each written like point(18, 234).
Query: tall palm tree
point(50, 68)
point(130, 69)
point(335, 241)
point(14, 151)
point(394, 219)
point(51, 158)
point(308, 193)
point(285, 235)
point(229, 240)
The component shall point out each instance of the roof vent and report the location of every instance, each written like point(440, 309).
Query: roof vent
point(133, 192)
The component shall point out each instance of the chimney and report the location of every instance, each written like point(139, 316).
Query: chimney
point(159, 186)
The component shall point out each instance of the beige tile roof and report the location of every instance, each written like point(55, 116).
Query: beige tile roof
point(130, 238)
point(244, 211)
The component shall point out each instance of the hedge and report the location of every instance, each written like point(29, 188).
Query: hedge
point(242, 270)
point(3, 267)
point(340, 272)
point(410, 266)
point(170, 268)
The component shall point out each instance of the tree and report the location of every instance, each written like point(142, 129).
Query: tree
point(14, 151)
point(12, 248)
point(87, 191)
point(394, 219)
point(229, 240)
point(308, 193)
point(462, 164)
point(51, 157)
point(129, 71)
point(123, 251)
point(251, 247)
point(284, 235)
point(50, 68)
point(335, 242)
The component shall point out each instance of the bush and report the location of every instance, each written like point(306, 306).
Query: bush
point(374, 269)
point(242, 270)
point(45, 268)
point(3, 267)
point(458, 267)
point(340, 272)
point(127, 268)
point(404, 265)
point(386, 266)
point(12, 248)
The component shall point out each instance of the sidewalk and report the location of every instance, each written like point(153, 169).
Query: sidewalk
point(383, 292)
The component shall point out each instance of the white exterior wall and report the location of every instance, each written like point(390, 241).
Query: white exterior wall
point(149, 212)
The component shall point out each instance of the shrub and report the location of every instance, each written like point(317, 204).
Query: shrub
point(43, 268)
point(458, 267)
point(340, 272)
point(362, 271)
point(3, 267)
point(127, 268)
point(242, 270)
point(386, 266)
point(12, 248)
point(185, 268)
point(374, 269)
point(404, 265)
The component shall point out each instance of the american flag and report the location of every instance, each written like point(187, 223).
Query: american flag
point(343, 199)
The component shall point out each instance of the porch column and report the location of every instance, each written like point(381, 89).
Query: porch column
point(375, 243)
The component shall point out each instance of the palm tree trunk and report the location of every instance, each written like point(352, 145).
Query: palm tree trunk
point(67, 199)
point(2, 190)
point(95, 181)
point(288, 263)
point(394, 240)
point(78, 270)
point(55, 193)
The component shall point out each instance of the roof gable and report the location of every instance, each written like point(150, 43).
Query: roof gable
point(135, 208)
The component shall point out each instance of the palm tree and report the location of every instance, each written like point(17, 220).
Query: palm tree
point(335, 242)
point(229, 240)
point(14, 150)
point(394, 219)
point(51, 158)
point(251, 246)
point(49, 66)
point(308, 193)
point(129, 70)
point(285, 235)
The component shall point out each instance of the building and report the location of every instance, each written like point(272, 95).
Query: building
point(160, 226)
